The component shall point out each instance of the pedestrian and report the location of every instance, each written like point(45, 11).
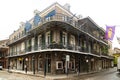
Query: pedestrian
point(8, 68)
point(26, 69)
point(77, 70)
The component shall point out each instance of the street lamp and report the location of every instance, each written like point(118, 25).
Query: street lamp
point(87, 60)
point(26, 59)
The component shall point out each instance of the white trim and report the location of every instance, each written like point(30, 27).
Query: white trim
point(59, 62)
point(39, 41)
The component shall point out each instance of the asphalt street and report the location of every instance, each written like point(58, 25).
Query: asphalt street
point(110, 74)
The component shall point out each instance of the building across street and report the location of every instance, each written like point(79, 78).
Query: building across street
point(4, 50)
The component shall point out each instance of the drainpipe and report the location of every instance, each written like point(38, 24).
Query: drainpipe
point(45, 65)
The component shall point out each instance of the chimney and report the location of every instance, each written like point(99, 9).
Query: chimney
point(36, 12)
point(67, 6)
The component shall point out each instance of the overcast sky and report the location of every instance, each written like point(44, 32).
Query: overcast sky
point(103, 12)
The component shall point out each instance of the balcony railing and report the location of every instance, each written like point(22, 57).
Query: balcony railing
point(17, 52)
point(54, 46)
point(56, 17)
point(17, 39)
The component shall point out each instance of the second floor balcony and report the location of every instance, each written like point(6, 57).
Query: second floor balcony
point(57, 47)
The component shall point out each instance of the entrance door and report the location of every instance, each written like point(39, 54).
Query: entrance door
point(48, 63)
point(23, 63)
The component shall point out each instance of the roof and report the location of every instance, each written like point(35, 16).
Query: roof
point(2, 41)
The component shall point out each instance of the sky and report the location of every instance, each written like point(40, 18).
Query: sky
point(102, 12)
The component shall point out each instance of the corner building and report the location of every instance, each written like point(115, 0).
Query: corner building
point(56, 42)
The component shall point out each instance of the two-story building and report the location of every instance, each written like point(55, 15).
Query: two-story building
point(55, 41)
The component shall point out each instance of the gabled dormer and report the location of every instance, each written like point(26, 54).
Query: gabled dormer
point(58, 9)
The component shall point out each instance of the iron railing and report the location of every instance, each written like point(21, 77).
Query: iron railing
point(46, 46)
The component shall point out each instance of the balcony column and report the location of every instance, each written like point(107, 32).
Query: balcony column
point(67, 43)
point(33, 43)
point(87, 43)
point(92, 45)
point(78, 46)
point(53, 62)
point(99, 49)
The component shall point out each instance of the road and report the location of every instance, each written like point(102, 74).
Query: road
point(113, 75)
point(110, 74)
point(4, 75)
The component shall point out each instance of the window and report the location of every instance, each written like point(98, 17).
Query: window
point(72, 40)
point(65, 18)
point(64, 38)
point(40, 63)
point(48, 38)
point(71, 65)
point(59, 65)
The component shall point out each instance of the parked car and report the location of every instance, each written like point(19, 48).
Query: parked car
point(118, 64)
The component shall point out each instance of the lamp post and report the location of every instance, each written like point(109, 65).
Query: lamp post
point(87, 64)
point(78, 66)
point(67, 63)
point(8, 64)
point(26, 59)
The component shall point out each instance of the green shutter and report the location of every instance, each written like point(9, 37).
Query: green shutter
point(51, 36)
point(60, 36)
point(68, 39)
point(43, 41)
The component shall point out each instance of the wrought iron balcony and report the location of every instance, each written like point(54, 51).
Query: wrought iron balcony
point(56, 17)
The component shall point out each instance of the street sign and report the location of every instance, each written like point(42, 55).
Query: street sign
point(67, 57)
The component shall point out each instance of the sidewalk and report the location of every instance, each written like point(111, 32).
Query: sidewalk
point(48, 76)
point(56, 77)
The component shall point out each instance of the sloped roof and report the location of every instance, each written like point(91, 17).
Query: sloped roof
point(92, 21)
